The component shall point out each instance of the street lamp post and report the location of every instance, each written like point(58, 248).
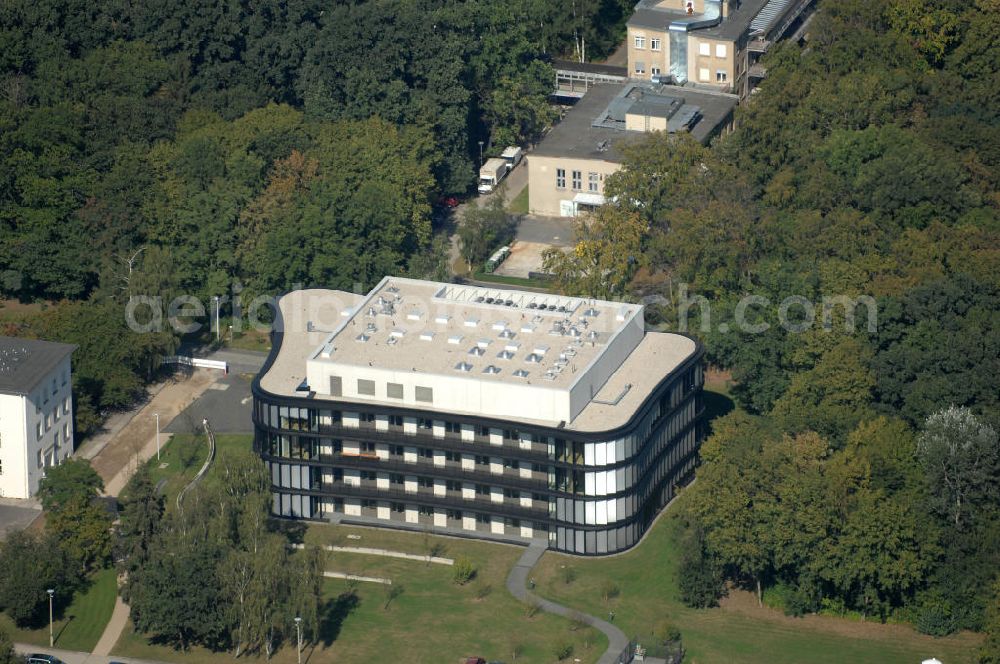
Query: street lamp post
point(298, 631)
point(157, 416)
point(480, 154)
point(51, 592)
point(217, 326)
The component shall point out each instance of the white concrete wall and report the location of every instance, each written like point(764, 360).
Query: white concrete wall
point(39, 422)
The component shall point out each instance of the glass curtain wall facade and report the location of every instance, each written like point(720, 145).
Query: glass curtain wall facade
point(584, 492)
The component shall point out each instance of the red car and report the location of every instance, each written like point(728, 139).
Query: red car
point(448, 202)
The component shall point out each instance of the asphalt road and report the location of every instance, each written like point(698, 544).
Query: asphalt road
point(16, 516)
point(74, 657)
point(227, 405)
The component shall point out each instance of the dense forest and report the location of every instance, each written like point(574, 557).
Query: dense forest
point(860, 470)
point(208, 148)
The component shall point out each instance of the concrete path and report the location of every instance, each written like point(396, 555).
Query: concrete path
point(384, 552)
point(75, 657)
point(516, 584)
point(113, 630)
point(358, 577)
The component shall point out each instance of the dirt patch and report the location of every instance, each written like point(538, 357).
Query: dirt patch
point(125, 450)
point(745, 603)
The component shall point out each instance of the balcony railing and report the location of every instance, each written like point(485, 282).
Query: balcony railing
point(397, 436)
point(424, 496)
point(449, 470)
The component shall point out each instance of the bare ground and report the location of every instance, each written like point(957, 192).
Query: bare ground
point(745, 603)
point(137, 440)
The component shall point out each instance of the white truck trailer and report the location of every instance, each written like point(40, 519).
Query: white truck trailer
point(492, 172)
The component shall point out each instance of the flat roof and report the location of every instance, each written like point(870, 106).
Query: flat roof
point(24, 363)
point(323, 325)
point(430, 327)
point(648, 14)
point(577, 137)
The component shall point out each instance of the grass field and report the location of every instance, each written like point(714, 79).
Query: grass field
point(184, 456)
point(433, 620)
point(739, 632)
point(519, 205)
point(78, 626)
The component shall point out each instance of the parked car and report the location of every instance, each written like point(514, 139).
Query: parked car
point(42, 658)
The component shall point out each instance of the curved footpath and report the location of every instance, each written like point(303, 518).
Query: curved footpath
point(516, 582)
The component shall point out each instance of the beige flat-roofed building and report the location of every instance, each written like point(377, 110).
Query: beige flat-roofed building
point(567, 171)
point(479, 412)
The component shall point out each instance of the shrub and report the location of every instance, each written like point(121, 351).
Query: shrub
point(483, 590)
point(465, 571)
point(935, 616)
point(667, 632)
point(563, 650)
point(568, 574)
point(609, 590)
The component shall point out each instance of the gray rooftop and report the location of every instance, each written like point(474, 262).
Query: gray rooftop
point(738, 22)
point(594, 127)
point(24, 363)
point(648, 15)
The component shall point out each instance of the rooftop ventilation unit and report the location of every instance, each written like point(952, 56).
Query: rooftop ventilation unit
point(491, 369)
point(499, 325)
point(575, 332)
point(392, 341)
point(471, 322)
point(483, 343)
point(533, 358)
point(532, 305)
point(455, 339)
point(591, 312)
point(477, 351)
point(362, 338)
point(593, 336)
point(507, 334)
point(397, 332)
point(416, 314)
point(371, 312)
point(527, 328)
point(512, 346)
point(464, 367)
point(442, 319)
point(521, 373)
point(427, 336)
point(549, 375)
point(371, 329)
point(392, 289)
point(505, 355)
point(541, 349)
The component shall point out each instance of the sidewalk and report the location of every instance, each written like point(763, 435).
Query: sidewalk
point(517, 580)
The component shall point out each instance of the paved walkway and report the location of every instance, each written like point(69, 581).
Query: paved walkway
point(438, 560)
point(113, 630)
point(516, 584)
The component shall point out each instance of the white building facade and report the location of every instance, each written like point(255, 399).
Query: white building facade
point(36, 412)
point(479, 411)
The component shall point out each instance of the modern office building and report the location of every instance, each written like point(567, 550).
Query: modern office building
point(708, 43)
point(568, 168)
point(36, 412)
point(477, 411)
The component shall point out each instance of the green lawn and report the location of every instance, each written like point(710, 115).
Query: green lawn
point(250, 340)
point(511, 281)
point(520, 203)
point(647, 576)
point(184, 456)
point(78, 626)
point(432, 621)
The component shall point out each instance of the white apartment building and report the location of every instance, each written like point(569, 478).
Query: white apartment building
point(36, 412)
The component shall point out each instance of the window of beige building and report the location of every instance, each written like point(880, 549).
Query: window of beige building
point(720, 50)
point(654, 43)
point(593, 181)
point(560, 178)
point(720, 76)
point(577, 180)
point(703, 74)
point(640, 67)
point(704, 48)
point(640, 41)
